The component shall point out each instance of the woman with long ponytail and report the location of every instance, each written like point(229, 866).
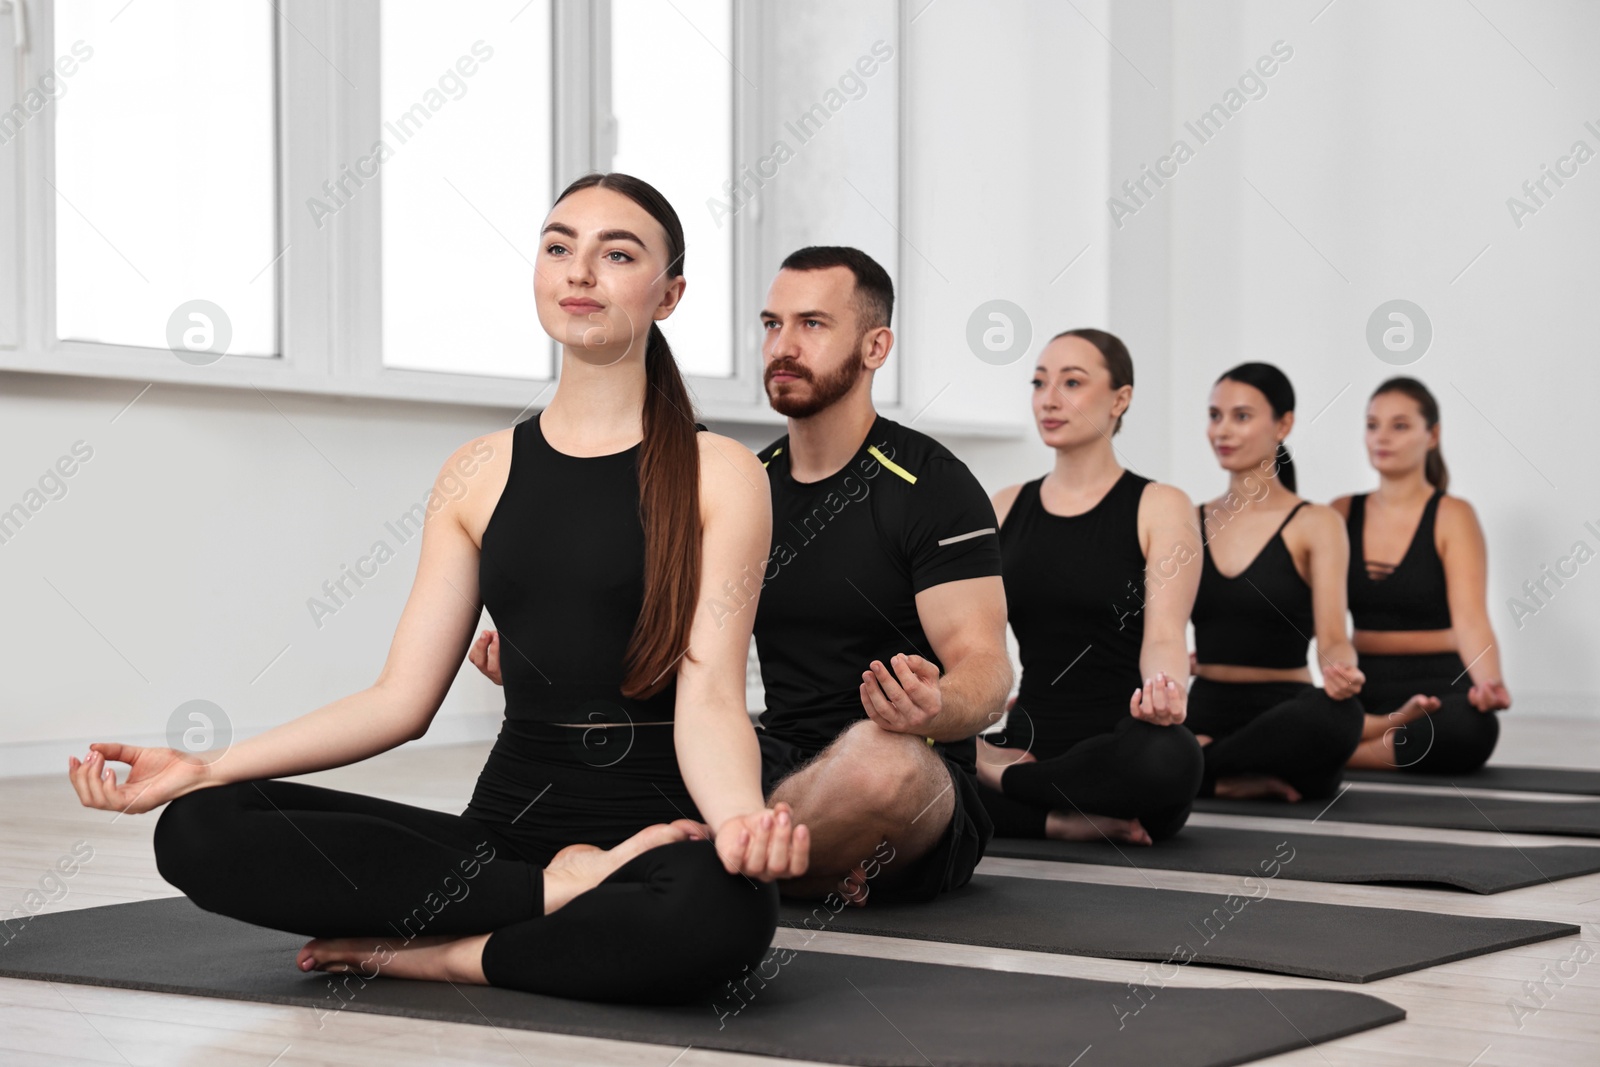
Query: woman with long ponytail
point(1272, 574)
point(616, 846)
point(1417, 578)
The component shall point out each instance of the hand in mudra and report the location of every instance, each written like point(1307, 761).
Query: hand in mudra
point(157, 776)
point(1160, 700)
point(765, 844)
point(1342, 680)
point(485, 655)
point(1489, 696)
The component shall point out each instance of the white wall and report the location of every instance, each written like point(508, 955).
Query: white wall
point(178, 563)
point(1391, 142)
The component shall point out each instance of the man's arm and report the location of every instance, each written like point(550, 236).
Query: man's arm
point(966, 624)
point(951, 541)
point(965, 621)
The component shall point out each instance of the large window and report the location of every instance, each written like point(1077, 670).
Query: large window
point(345, 198)
point(164, 172)
point(463, 166)
point(672, 80)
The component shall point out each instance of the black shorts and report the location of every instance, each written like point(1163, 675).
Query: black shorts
point(946, 866)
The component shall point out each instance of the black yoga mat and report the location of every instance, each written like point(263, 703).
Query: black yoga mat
point(1519, 779)
point(1323, 858)
point(798, 1004)
point(1242, 929)
point(1443, 811)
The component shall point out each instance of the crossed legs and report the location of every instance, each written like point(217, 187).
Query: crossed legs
point(868, 786)
point(427, 894)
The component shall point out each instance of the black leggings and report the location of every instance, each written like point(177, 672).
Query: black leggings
point(1290, 730)
point(1457, 738)
point(1137, 770)
point(669, 926)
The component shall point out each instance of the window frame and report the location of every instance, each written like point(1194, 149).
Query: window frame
point(328, 302)
point(11, 156)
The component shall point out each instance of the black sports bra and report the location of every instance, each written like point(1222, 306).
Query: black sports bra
point(1410, 595)
point(1262, 616)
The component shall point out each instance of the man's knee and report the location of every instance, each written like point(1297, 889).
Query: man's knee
point(887, 771)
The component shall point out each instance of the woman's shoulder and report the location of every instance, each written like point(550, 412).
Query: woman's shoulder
point(1318, 521)
point(1162, 498)
point(727, 466)
point(473, 478)
point(485, 458)
point(1003, 500)
point(1456, 516)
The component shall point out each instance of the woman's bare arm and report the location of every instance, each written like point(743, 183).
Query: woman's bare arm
point(1324, 532)
point(1171, 541)
point(718, 755)
point(1466, 576)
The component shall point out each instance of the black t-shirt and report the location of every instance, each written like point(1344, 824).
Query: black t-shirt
point(849, 555)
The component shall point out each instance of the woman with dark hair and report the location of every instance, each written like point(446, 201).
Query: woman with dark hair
point(1272, 574)
point(588, 531)
point(1099, 600)
point(1417, 578)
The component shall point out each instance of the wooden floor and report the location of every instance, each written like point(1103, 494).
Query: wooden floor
point(1459, 1014)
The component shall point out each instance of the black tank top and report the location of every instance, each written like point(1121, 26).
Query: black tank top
point(1261, 617)
point(561, 570)
point(1412, 594)
point(1075, 596)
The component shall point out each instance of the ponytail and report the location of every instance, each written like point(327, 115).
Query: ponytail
point(1285, 463)
point(1433, 467)
point(669, 478)
point(669, 509)
point(1434, 470)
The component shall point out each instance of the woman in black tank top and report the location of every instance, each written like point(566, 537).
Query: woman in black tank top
point(582, 866)
point(1416, 582)
point(1098, 600)
point(1267, 730)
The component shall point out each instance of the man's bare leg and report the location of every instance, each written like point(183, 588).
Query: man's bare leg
point(868, 786)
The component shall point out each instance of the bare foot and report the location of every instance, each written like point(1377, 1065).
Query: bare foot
point(1413, 709)
point(438, 958)
point(1250, 786)
point(993, 760)
point(1375, 755)
point(1204, 739)
point(458, 958)
point(1079, 827)
point(579, 868)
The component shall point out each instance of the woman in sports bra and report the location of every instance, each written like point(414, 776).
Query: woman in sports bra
point(616, 846)
point(1418, 571)
point(1272, 575)
point(1093, 743)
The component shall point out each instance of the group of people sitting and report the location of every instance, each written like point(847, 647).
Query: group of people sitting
point(631, 832)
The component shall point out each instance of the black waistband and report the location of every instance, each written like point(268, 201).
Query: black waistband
point(587, 706)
